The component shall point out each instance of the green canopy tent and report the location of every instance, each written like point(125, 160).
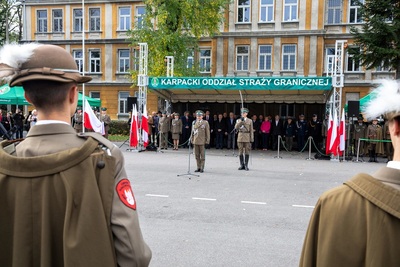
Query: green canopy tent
point(364, 101)
point(15, 96)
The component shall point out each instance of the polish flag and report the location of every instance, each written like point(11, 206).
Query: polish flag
point(91, 121)
point(334, 140)
point(134, 134)
point(342, 134)
point(145, 127)
point(329, 134)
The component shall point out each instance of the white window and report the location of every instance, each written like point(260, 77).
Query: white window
point(334, 11)
point(94, 60)
point(243, 11)
point(382, 68)
point(290, 10)
point(94, 19)
point(205, 60)
point(355, 16)
point(351, 63)
point(266, 10)
point(135, 54)
point(42, 20)
point(140, 12)
point(78, 20)
point(289, 57)
point(242, 58)
point(124, 60)
point(329, 59)
point(57, 20)
point(265, 57)
point(190, 60)
point(123, 102)
point(78, 57)
point(124, 18)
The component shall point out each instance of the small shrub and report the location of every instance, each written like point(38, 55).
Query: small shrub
point(119, 128)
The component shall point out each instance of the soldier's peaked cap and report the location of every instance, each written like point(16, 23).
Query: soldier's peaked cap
point(199, 113)
point(244, 110)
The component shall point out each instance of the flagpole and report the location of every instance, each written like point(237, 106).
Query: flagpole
point(83, 62)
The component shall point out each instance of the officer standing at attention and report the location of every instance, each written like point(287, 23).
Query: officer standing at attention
point(106, 119)
point(200, 137)
point(244, 126)
point(163, 129)
point(78, 119)
point(72, 203)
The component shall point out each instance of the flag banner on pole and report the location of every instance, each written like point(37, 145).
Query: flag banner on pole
point(329, 134)
point(145, 127)
point(91, 121)
point(342, 134)
point(334, 142)
point(134, 131)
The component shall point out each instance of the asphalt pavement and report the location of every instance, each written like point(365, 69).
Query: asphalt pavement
point(227, 217)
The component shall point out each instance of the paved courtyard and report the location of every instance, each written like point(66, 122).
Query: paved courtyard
point(227, 217)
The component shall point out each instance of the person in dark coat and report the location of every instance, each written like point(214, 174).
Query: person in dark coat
point(289, 133)
point(186, 128)
point(256, 130)
point(276, 130)
point(301, 132)
point(230, 130)
point(219, 129)
point(19, 123)
point(315, 131)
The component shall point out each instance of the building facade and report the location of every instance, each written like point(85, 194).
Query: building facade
point(259, 38)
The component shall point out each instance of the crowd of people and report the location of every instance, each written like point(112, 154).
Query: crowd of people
point(13, 125)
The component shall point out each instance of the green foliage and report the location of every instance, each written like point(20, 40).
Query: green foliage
point(119, 128)
point(11, 14)
point(173, 28)
point(379, 36)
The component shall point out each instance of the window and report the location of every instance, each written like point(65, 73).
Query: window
point(289, 57)
point(94, 19)
point(382, 68)
point(205, 60)
point(123, 102)
point(351, 63)
point(57, 20)
point(94, 59)
point(329, 59)
point(124, 60)
point(124, 18)
point(355, 16)
point(42, 20)
point(290, 10)
point(242, 58)
point(78, 20)
point(94, 95)
point(78, 57)
point(334, 11)
point(136, 53)
point(265, 57)
point(140, 12)
point(266, 10)
point(243, 11)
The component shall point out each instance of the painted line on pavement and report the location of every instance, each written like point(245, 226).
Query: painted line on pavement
point(202, 198)
point(252, 202)
point(303, 206)
point(152, 195)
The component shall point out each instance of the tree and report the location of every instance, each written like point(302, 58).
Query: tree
point(174, 28)
point(379, 36)
point(11, 14)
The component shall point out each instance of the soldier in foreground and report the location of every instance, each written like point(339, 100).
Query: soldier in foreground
point(358, 223)
point(244, 126)
point(200, 137)
point(65, 199)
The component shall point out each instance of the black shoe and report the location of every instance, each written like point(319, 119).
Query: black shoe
point(201, 170)
point(241, 167)
point(246, 168)
point(197, 170)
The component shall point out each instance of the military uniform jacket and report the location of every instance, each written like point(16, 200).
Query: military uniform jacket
point(70, 220)
point(200, 133)
point(356, 224)
point(78, 121)
point(245, 130)
point(163, 125)
point(373, 132)
point(176, 126)
point(360, 131)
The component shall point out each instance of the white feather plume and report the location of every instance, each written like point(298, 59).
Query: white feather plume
point(12, 56)
point(385, 99)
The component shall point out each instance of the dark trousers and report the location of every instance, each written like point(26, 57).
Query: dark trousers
point(231, 140)
point(219, 140)
point(19, 132)
point(300, 142)
point(265, 140)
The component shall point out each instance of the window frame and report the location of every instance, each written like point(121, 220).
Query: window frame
point(78, 60)
point(244, 10)
point(41, 22)
point(335, 9)
point(139, 18)
point(78, 20)
point(123, 102)
point(329, 59)
point(356, 8)
point(94, 60)
point(265, 56)
point(57, 21)
point(264, 8)
point(354, 66)
point(126, 67)
point(289, 7)
point(205, 60)
point(124, 20)
point(290, 56)
point(94, 20)
point(244, 58)
point(94, 92)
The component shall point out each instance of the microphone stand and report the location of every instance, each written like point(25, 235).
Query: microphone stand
point(188, 172)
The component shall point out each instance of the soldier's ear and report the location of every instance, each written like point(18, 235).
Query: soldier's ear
point(394, 127)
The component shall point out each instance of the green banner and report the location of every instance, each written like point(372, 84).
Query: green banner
point(241, 83)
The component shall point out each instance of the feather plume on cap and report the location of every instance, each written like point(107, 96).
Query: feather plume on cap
point(385, 100)
point(12, 56)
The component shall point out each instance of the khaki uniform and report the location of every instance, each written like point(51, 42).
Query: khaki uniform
point(364, 230)
point(78, 118)
point(360, 131)
point(107, 120)
point(79, 210)
point(200, 137)
point(163, 129)
point(176, 128)
point(245, 135)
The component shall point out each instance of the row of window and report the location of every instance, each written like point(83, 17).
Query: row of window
point(124, 19)
point(265, 59)
point(334, 9)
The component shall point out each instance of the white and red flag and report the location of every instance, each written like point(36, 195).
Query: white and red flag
point(134, 134)
point(342, 134)
point(145, 127)
point(91, 121)
point(334, 139)
point(329, 134)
